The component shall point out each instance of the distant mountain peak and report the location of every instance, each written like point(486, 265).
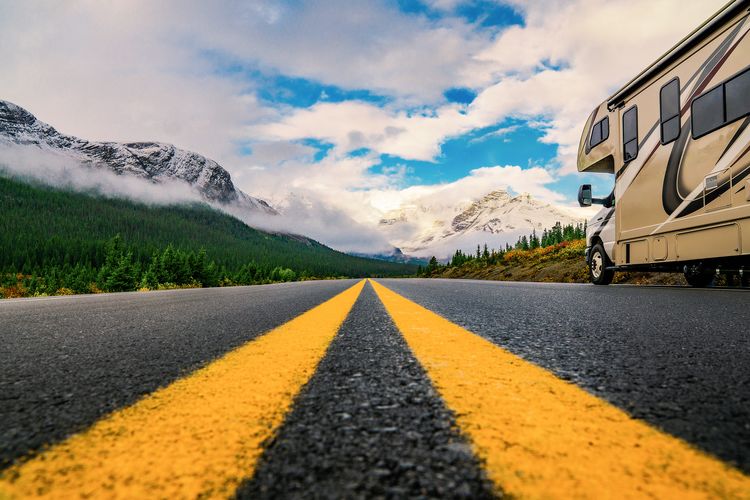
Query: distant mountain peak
point(493, 218)
point(154, 161)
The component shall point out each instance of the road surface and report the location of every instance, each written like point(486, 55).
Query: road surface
point(438, 388)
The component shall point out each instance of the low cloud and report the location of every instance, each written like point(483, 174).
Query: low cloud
point(52, 169)
point(315, 219)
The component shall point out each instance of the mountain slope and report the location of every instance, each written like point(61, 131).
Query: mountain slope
point(498, 217)
point(43, 227)
point(153, 161)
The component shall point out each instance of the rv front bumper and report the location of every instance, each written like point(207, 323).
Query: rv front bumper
point(588, 254)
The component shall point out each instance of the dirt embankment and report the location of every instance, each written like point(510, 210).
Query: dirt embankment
point(563, 263)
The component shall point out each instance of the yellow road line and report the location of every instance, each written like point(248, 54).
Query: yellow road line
point(201, 435)
point(542, 437)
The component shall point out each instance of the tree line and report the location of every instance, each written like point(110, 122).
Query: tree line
point(484, 256)
point(120, 272)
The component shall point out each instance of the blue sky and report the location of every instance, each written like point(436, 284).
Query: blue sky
point(484, 13)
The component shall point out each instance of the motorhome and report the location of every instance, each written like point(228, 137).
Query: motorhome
point(676, 139)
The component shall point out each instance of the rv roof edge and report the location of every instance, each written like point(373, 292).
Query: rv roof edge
point(731, 9)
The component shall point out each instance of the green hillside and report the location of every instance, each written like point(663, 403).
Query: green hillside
point(50, 232)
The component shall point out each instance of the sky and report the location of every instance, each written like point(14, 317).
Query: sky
point(354, 107)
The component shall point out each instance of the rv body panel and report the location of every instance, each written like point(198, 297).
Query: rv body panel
point(601, 228)
point(679, 144)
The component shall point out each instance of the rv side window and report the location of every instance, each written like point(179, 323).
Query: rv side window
point(599, 132)
point(721, 105)
point(708, 112)
point(737, 94)
point(669, 107)
point(630, 134)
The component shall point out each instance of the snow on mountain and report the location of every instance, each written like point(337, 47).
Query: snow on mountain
point(425, 228)
point(152, 161)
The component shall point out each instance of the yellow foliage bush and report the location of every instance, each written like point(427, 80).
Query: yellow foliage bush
point(13, 292)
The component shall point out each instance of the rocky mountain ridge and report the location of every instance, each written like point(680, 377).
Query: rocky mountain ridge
point(153, 161)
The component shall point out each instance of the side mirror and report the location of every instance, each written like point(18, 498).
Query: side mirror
point(584, 195)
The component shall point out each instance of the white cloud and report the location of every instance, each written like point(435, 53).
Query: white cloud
point(142, 70)
point(363, 44)
point(597, 51)
point(103, 71)
point(501, 132)
point(352, 125)
point(310, 216)
point(270, 154)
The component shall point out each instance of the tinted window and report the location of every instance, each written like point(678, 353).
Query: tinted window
point(737, 91)
point(669, 105)
point(670, 130)
point(630, 150)
point(708, 112)
point(599, 132)
point(630, 134)
point(596, 134)
point(670, 100)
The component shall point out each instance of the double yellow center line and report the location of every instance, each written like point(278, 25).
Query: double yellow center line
point(537, 436)
point(198, 437)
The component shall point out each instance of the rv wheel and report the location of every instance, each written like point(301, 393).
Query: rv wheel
point(698, 276)
point(598, 263)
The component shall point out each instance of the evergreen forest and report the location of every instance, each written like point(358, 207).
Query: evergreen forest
point(56, 241)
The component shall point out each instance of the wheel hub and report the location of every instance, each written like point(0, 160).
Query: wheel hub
point(597, 264)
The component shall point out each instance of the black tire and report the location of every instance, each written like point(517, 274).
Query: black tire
point(598, 264)
point(745, 279)
point(698, 276)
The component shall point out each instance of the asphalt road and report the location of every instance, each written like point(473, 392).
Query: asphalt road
point(369, 421)
point(67, 361)
point(678, 358)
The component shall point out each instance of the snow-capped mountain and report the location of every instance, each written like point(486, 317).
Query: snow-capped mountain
point(153, 161)
point(425, 229)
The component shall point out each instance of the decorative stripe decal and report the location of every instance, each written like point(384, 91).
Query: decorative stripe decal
point(672, 199)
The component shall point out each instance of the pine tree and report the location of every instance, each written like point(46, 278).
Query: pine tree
point(533, 240)
point(122, 277)
point(432, 266)
point(150, 278)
